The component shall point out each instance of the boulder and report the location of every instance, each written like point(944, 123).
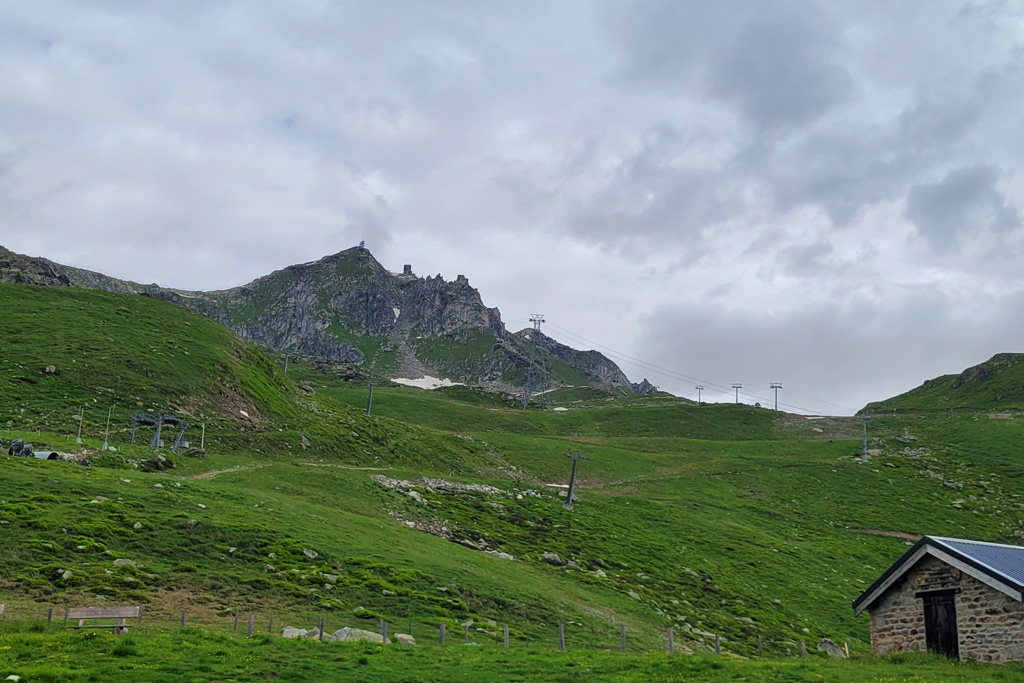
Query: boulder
point(124, 563)
point(404, 639)
point(294, 633)
point(831, 649)
point(354, 634)
point(552, 558)
point(310, 553)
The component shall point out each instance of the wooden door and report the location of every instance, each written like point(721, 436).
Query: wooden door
point(940, 632)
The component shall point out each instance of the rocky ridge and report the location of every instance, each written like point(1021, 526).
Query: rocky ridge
point(348, 308)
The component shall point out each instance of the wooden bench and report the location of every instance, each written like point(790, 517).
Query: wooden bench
point(119, 614)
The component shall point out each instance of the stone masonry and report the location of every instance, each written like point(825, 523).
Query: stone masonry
point(990, 624)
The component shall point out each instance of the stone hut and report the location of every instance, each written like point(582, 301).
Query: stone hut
point(960, 598)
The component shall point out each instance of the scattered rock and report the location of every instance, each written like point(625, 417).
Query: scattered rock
point(387, 592)
point(634, 595)
point(160, 462)
point(831, 649)
point(599, 573)
point(51, 369)
point(294, 633)
point(66, 575)
point(552, 558)
point(404, 639)
point(310, 553)
point(415, 495)
point(305, 441)
point(499, 554)
point(330, 577)
point(125, 563)
point(195, 453)
point(354, 634)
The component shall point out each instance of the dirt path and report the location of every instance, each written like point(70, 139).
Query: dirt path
point(213, 473)
point(894, 534)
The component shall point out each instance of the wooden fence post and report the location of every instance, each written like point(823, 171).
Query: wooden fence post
point(622, 632)
point(251, 620)
point(506, 636)
point(235, 627)
point(671, 641)
point(718, 645)
point(383, 631)
point(49, 616)
point(321, 626)
point(561, 637)
point(184, 614)
point(465, 633)
point(803, 648)
point(760, 652)
point(846, 647)
point(442, 634)
point(270, 629)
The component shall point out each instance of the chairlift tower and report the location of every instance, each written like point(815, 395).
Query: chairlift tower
point(575, 456)
point(776, 386)
point(737, 388)
point(699, 388)
point(537, 374)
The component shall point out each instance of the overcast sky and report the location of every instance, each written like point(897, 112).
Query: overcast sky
point(823, 194)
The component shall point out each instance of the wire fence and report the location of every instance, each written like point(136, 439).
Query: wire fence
point(432, 631)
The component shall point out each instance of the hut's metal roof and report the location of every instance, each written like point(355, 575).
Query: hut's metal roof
point(997, 565)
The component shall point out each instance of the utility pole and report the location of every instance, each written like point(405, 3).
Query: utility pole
point(576, 456)
point(699, 388)
point(737, 388)
point(865, 419)
point(106, 432)
point(81, 416)
point(776, 386)
point(369, 401)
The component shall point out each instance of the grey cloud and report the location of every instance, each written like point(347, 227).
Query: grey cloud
point(806, 259)
point(964, 202)
point(777, 63)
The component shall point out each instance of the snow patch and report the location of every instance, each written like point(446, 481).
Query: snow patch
point(397, 312)
point(427, 382)
point(559, 409)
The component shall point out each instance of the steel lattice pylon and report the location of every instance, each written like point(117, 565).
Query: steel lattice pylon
point(537, 374)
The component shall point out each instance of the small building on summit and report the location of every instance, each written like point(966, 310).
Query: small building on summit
point(960, 598)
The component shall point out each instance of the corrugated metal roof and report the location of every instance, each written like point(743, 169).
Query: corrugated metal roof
point(1004, 564)
point(1007, 560)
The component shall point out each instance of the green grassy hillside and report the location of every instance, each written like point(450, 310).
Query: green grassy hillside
point(716, 520)
point(996, 384)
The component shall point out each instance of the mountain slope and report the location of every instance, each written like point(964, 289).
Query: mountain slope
point(717, 520)
point(347, 307)
point(996, 384)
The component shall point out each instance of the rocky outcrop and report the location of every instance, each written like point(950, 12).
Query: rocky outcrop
point(599, 371)
point(644, 388)
point(23, 270)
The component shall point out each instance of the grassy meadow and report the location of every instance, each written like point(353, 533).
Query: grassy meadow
point(715, 520)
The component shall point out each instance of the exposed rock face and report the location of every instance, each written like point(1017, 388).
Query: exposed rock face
point(596, 367)
point(23, 270)
point(348, 309)
point(644, 388)
point(979, 373)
